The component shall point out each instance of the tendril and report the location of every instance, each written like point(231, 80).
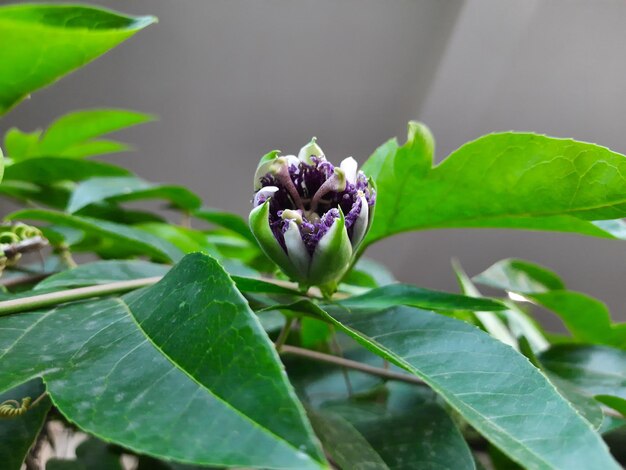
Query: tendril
point(12, 408)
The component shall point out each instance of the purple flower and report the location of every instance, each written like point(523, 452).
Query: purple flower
point(310, 216)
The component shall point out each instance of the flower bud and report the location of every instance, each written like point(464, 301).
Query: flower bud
point(310, 216)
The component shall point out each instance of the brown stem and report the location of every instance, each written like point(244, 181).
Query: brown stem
point(350, 364)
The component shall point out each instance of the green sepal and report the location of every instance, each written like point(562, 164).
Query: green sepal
point(332, 255)
point(263, 167)
point(260, 228)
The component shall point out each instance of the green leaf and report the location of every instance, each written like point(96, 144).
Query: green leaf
point(491, 322)
point(185, 239)
point(92, 148)
point(369, 273)
point(129, 189)
point(406, 294)
point(227, 220)
point(79, 127)
point(410, 430)
point(595, 370)
point(181, 370)
point(45, 42)
point(49, 170)
point(586, 406)
point(95, 454)
point(17, 435)
point(506, 180)
point(345, 445)
point(517, 275)
point(494, 388)
point(586, 318)
point(130, 238)
point(18, 144)
point(102, 272)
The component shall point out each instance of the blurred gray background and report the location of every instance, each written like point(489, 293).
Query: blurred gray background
point(232, 79)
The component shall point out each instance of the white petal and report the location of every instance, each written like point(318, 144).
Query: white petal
point(296, 250)
point(263, 194)
point(360, 224)
point(349, 167)
point(292, 160)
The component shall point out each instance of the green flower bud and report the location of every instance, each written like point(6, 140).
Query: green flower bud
point(310, 216)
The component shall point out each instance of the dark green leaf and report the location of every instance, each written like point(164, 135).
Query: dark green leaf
point(508, 180)
point(409, 430)
point(48, 170)
point(369, 273)
point(595, 370)
point(102, 272)
point(494, 388)
point(130, 188)
point(405, 294)
point(227, 220)
point(345, 445)
point(586, 406)
point(129, 237)
point(95, 454)
point(44, 42)
point(18, 434)
point(181, 370)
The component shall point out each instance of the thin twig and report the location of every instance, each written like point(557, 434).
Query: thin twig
point(344, 370)
point(19, 281)
point(350, 364)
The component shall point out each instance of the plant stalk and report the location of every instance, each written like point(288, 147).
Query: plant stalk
point(350, 364)
point(56, 298)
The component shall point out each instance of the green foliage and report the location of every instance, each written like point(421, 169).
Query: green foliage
point(104, 343)
point(480, 378)
point(500, 180)
point(49, 41)
point(179, 342)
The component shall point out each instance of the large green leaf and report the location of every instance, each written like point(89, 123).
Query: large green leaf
point(181, 370)
point(129, 189)
point(130, 238)
point(49, 170)
point(405, 294)
point(494, 388)
point(507, 180)
point(41, 43)
point(18, 434)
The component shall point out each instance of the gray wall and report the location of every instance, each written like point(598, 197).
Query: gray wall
point(232, 79)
